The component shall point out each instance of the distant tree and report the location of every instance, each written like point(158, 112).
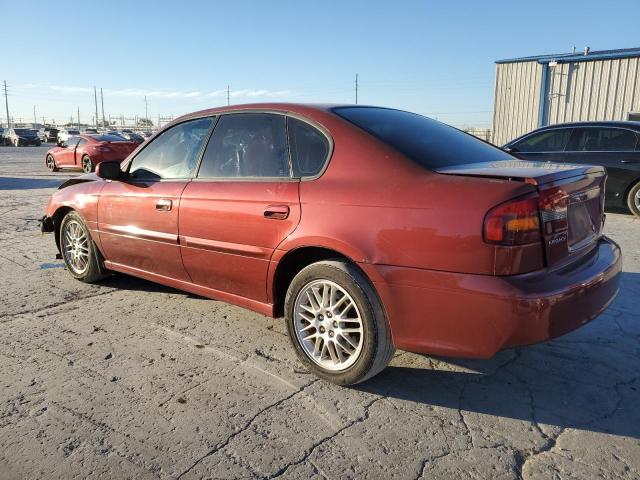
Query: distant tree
point(145, 122)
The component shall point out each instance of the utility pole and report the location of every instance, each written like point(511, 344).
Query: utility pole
point(228, 96)
point(34, 117)
point(6, 104)
point(95, 101)
point(102, 101)
point(146, 108)
point(356, 88)
point(78, 118)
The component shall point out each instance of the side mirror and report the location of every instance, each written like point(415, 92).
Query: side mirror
point(109, 170)
point(510, 149)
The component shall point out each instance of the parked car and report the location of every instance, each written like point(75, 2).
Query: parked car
point(613, 145)
point(65, 133)
point(50, 134)
point(368, 228)
point(84, 152)
point(90, 131)
point(21, 137)
point(134, 137)
point(1, 136)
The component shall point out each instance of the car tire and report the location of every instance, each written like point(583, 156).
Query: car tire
point(79, 253)
point(87, 164)
point(51, 163)
point(633, 199)
point(347, 346)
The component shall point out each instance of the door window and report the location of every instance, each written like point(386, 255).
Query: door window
point(172, 154)
point(547, 141)
point(602, 140)
point(309, 148)
point(72, 142)
point(247, 145)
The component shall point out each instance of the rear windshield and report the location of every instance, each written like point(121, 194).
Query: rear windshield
point(73, 132)
point(430, 143)
point(109, 138)
point(24, 131)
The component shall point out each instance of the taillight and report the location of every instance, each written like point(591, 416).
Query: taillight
point(516, 222)
point(553, 208)
point(103, 149)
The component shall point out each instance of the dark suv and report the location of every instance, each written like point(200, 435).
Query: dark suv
point(613, 145)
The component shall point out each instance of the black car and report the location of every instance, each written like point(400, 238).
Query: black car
point(19, 137)
point(50, 134)
point(613, 145)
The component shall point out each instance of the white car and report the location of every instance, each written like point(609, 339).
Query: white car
point(65, 133)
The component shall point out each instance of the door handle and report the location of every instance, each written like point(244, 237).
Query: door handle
point(276, 212)
point(163, 205)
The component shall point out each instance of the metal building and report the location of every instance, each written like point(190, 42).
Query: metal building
point(532, 92)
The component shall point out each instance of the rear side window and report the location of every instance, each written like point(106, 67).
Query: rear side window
point(247, 145)
point(309, 148)
point(602, 140)
point(547, 141)
point(428, 142)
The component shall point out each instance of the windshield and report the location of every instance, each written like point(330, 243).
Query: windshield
point(428, 142)
point(24, 131)
point(73, 132)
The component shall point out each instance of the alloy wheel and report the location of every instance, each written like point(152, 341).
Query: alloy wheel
point(328, 325)
point(51, 164)
point(75, 247)
point(636, 200)
point(86, 165)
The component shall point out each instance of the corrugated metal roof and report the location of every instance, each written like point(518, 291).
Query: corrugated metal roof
point(578, 56)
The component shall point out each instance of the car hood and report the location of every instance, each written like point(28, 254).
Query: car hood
point(87, 177)
point(536, 173)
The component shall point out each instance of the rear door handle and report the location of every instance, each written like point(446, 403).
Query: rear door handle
point(164, 205)
point(276, 212)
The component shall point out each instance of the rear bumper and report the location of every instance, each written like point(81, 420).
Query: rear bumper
point(476, 316)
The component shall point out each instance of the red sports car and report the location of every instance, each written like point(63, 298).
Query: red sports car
point(84, 152)
point(368, 228)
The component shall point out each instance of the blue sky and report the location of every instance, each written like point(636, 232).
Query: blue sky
point(431, 57)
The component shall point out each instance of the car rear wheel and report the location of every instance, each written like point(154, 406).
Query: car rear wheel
point(87, 164)
point(51, 164)
point(81, 256)
point(336, 323)
point(633, 199)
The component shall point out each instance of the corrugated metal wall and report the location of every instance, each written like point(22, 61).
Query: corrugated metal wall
point(517, 100)
point(578, 91)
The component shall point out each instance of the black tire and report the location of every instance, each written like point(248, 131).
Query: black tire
point(87, 164)
point(633, 199)
point(51, 164)
point(377, 348)
point(94, 269)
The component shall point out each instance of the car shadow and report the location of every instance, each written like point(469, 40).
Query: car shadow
point(16, 183)
point(585, 380)
point(122, 281)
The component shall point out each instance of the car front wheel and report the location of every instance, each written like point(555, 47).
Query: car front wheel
point(51, 164)
point(336, 323)
point(81, 256)
point(633, 199)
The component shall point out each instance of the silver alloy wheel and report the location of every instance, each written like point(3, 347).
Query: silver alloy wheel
point(328, 325)
point(75, 247)
point(51, 164)
point(636, 200)
point(86, 165)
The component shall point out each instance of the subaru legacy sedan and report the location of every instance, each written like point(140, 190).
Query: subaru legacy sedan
point(368, 229)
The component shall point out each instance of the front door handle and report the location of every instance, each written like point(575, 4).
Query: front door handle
point(163, 205)
point(276, 212)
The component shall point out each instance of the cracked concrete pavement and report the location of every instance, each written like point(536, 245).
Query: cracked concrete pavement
point(128, 379)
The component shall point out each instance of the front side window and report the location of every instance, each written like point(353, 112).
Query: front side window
point(72, 142)
point(602, 140)
point(173, 154)
point(428, 142)
point(247, 145)
point(309, 148)
point(547, 141)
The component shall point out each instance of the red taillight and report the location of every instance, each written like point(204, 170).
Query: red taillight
point(516, 222)
point(103, 149)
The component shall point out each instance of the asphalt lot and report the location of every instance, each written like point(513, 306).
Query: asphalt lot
point(128, 379)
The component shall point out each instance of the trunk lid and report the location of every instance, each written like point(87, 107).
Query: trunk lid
point(571, 201)
point(123, 148)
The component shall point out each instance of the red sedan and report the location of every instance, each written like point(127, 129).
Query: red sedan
point(367, 228)
point(84, 152)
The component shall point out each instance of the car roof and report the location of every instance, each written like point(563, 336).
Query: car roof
point(602, 123)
